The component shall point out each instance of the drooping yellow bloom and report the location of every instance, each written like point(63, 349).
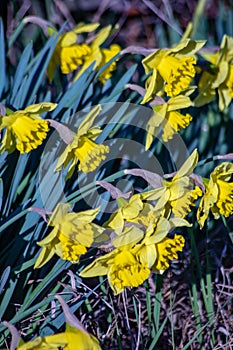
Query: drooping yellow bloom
point(25, 130)
point(176, 196)
point(156, 250)
point(126, 271)
point(121, 265)
point(168, 117)
point(72, 234)
point(172, 69)
point(101, 55)
point(71, 55)
point(136, 252)
point(219, 77)
point(83, 149)
point(167, 251)
point(218, 197)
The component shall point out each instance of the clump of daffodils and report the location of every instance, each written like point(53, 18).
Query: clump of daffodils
point(73, 55)
point(137, 250)
point(141, 240)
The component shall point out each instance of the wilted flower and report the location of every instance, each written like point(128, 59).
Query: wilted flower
point(218, 197)
point(172, 69)
point(25, 130)
point(168, 116)
point(72, 234)
point(83, 149)
point(219, 77)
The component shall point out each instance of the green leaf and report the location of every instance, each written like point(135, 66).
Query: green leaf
point(19, 75)
point(120, 86)
point(37, 74)
point(2, 59)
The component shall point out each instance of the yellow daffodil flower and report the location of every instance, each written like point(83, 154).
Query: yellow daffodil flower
point(219, 78)
point(167, 251)
point(121, 265)
point(168, 117)
point(72, 234)
point(82, 149)
point(25, 129)
point(136, 252)
point(176, 196)
point(218, 197)
point(172, 69)
point(156, 250)
point(101, 56)
point(69, 54)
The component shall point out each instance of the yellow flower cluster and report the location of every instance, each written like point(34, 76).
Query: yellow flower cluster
point(139, 231)
point(171, 72)
point(71, 55)
point(26, 130)
point(140, 242)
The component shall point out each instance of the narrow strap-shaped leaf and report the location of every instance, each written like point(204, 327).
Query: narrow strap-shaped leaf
point(4, 278)
point(76, 91)
point(37, 74)
point(1, 193)
point(120, 86)
point(19, 74)
point(16, 180)
point(2, 59)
